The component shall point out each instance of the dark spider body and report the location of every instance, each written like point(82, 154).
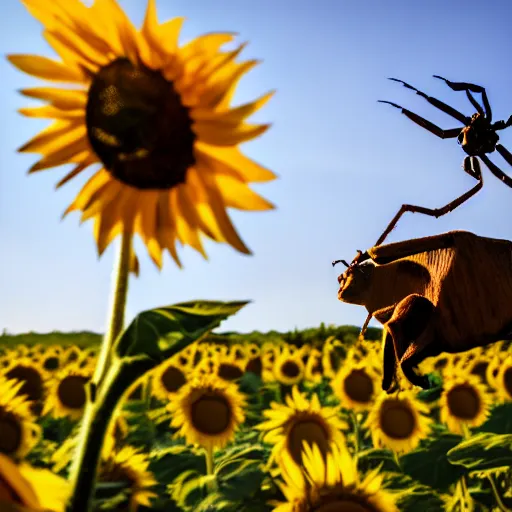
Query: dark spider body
point(477, 137)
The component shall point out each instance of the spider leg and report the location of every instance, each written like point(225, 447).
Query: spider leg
point(433, 212)
point(505, 153)
point(475, 103)
point(471, 165)
point(438, 104)
point(501, 125)
point(496, 170)
point(431, 127)
point(464, 86)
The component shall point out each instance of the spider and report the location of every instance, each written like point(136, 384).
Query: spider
point(477, 137)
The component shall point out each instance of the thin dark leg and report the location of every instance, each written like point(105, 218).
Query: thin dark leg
point(431, 127)
point(435, 212)
point(388, 362)
point(505, 153)
point(471, 165)
point(496, 170)
point(464, 86)
point(475, 103)
point(501, 125)
point(438, 104)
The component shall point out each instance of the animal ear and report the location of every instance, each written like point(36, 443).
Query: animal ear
point(387, 253)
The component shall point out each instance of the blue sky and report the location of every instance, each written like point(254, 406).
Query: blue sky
point(345, 162)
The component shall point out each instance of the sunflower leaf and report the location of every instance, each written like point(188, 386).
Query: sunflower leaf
point(168, 463)
point(500, 420)
point(429, 464)
point(483, 452)
point(373, 457)
point(162, 332)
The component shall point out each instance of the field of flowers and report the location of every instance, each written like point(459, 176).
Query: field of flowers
point(276, 426)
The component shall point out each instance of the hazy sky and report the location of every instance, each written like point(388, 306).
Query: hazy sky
point(345, 162)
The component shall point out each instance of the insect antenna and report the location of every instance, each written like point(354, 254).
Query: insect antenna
point(335, 262)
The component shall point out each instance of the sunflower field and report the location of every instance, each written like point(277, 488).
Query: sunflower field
point(271, 426)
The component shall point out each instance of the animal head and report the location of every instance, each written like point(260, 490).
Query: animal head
point(355, 282)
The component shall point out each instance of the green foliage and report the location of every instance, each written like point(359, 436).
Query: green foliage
point(376, 457)
point(429, 464)
point(500, 420)
point(483, 452)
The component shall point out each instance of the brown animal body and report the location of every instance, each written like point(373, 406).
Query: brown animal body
point(445, 293)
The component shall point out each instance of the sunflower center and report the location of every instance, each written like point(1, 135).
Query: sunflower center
point(343, 506)
point(290, 369)
point(10, 435)
point(358, 386)
point(463, 402)
point(32, 381)
point(51, 363)
point(211, 414)
point(507, 381)
point(138, 126)
point(71, 391)
point(229, 371)
point(311, 430)
point(173, 379)
point(397, 420)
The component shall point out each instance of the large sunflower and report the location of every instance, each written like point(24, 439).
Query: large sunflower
point(289, 425)
point(464, 402)
point(398, 422)
point(207, 411)
point(289, 366)
point(19, 431)
point(331, 484)
point(156, 116)
point(33, 377)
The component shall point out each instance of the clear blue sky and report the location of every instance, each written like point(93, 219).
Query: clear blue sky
point(345, 162)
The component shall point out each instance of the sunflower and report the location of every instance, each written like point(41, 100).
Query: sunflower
point(331, 484)
point(289, 425)
point(19, 432)
point(50, 361)
point(254, 360)
point(269, 353)
point(33, 488)
point(464, 402)
point(131, 466)
point(398, 421)
point(72, 354)
point(33, 378)
point(68, 392)
point(168, 377)
point(314, 370)
point(229, 366)
point(156, 116)
point(355, 385)
point(503, 381)
point(207, 411)
point(289, 367)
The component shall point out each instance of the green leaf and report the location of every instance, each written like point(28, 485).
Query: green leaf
point(167, 464)
point(499, 421)
point(374, 457)
point(412, 496)
point(189, 489)
point(483, 452)
point(162, 332)
point(429, 464)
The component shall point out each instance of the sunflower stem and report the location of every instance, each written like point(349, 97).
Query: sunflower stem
point(466, 499)
point(212, 487)
point(355, 423)
point(118, 305)
point(497, 496)
point(120, 376)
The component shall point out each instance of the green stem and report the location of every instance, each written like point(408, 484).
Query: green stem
point(499, 501)
point(355, 424)
point(466, 498)
point(120, 375)
point(94, 426)
point(118, 305)
point(210, 469)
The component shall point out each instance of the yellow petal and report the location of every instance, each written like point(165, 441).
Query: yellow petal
point(58, 134)
point(206, 44)
point(75, 172)
point(95, 182)
point(165, 226)
point(235, 163)
point(100, 198)
point(236, 194)
point(51, 112)
point(75, 151)
point(45, 68)
point(234, 116)
point(145, 224)
point(11, 474)
point(70, 99)
point(168, 34)
point(149, 32)
point(220, 134)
